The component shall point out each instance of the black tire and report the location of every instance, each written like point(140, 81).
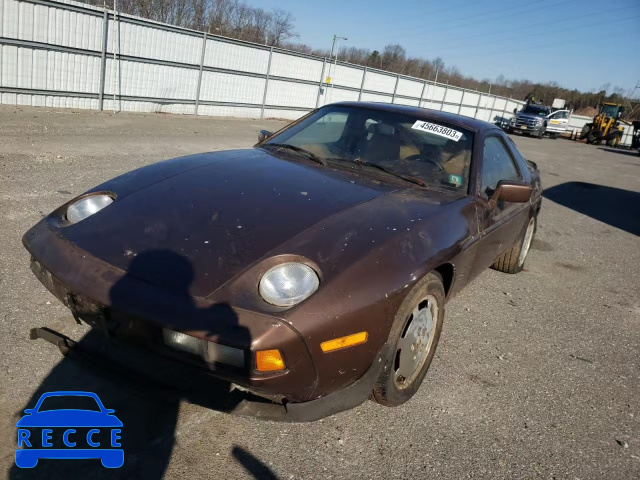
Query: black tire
point(584, 133)
point(592, 137)
point(554, 136)
point(510, 131)
point(386, 390)
point(510, 261)
point(541, 132)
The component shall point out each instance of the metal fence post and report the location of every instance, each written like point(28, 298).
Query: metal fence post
point(444, 97)
point(103, 58)
point(204, 46)
point(424, 86)
point(461, 99)
point(504, 110)
point(393, 98)
point(266, 84)
point(364, 74)
point(492, 105)
point(475, 115)
point(324, 66)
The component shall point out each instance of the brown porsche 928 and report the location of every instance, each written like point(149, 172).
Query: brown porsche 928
point(312, 270)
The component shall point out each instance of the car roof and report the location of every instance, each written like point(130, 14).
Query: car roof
point(69, 393)
point(425, 113)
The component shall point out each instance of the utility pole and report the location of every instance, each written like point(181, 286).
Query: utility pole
point(632, 92)
point(335, 59)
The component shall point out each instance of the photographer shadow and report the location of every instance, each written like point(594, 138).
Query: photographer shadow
point(143, 388)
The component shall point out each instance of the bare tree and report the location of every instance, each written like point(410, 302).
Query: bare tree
point(394, 57)
point(281, 28)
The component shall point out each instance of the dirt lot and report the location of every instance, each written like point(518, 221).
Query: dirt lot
point(537, 375)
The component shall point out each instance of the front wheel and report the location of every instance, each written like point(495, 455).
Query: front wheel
point(512, 261)
point(584, 133)
point(414, 336)
point(541, 132)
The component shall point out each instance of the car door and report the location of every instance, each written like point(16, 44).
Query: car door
point(558, 121)
point(500, 226)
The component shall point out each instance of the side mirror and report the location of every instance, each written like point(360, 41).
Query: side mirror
point(515, 110)
point(507, 191)
point(263, 135)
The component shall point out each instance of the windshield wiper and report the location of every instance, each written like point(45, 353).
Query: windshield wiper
point(306, 153)
point(408, 178)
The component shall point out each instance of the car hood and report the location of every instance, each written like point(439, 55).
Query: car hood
point(69, 418)
point(219, 212)
point(529, 116)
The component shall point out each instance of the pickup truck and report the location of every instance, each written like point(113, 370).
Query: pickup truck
point(538, 120)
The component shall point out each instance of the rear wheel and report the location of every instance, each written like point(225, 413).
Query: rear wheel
point(414, 336)
point(512, 261)
point(555, 135)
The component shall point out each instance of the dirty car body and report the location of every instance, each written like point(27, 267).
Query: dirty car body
point(368, 198)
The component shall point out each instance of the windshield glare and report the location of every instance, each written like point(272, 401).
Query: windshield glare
point(540, 111)
point(437, 153)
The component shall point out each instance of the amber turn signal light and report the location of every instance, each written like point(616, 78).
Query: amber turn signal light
point(269, 361)
point(344, 342)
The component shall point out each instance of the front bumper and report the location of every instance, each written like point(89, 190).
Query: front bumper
point(525, 129)
point(110, 458)
point(178, 379)
point(137, 312)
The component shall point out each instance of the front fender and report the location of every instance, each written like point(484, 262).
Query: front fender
point(370, 259)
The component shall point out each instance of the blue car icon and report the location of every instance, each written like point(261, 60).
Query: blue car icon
point(92, 426)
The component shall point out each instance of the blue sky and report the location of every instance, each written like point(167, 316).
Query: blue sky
point(581, 44)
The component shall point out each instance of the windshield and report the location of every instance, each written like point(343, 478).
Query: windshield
point(67, 402)
point(533, 110)
point(433, 152)
point(610, 110)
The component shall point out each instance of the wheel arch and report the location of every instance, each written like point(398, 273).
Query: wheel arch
point(447, 272)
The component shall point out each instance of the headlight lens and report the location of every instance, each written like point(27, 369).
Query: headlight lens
point(288, 284)
point(87, 206)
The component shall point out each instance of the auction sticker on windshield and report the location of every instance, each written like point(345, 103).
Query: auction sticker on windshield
point(439, 130)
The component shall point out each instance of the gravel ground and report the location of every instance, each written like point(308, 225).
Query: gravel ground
point(537, 375)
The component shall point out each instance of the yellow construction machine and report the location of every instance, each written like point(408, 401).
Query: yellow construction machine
point(606, 126)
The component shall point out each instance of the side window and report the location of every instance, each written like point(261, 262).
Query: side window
point(497, 165)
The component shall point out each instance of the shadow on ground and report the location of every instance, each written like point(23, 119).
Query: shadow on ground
point(613, 206)
point(631, 153)
point(144, 389)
